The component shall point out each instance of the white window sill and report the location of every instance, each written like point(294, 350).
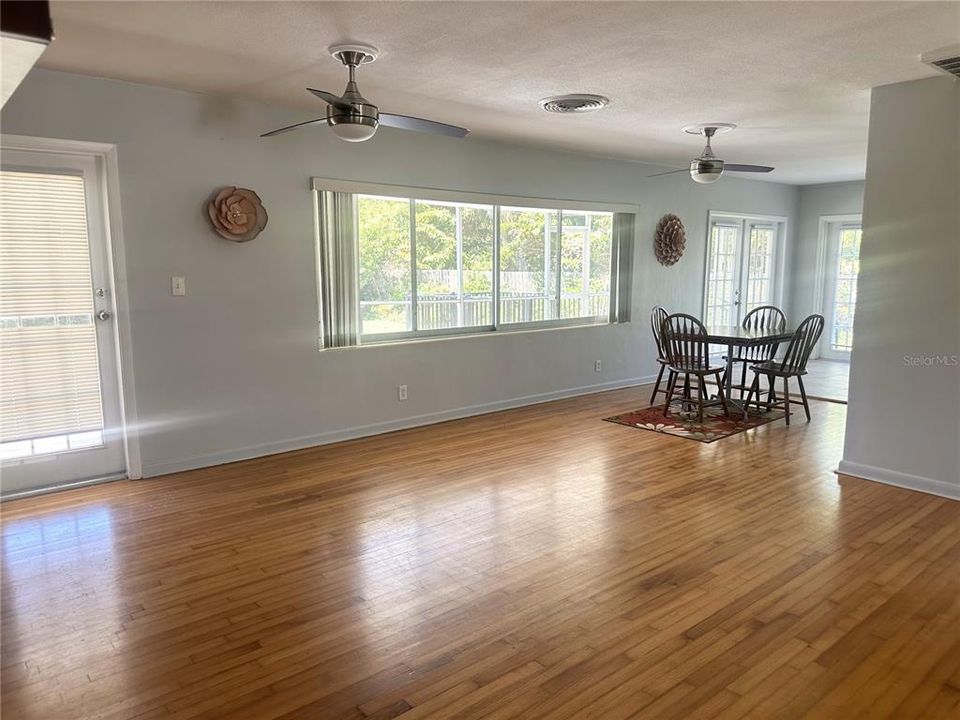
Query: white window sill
point(456, 334)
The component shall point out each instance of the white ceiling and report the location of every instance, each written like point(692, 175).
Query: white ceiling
point(795, 76)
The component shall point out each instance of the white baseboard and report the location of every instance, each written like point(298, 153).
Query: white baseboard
point(352, 433)
point(17, 494)
point(899, 479)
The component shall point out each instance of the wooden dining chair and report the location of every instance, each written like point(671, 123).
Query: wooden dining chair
point(764, 317)
point(688, 354)
point(793, 364)
point(657, 316)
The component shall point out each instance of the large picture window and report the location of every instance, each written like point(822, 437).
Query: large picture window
point(400, 267)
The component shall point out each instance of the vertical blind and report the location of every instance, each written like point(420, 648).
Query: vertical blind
point(337, 253)
point(49, 376)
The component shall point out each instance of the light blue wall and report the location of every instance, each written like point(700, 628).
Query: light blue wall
point(903, 419)
point(815, 201)
point(232, 370)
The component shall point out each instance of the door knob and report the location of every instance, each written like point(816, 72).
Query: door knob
point(103, 315)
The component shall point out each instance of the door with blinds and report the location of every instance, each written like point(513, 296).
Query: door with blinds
point(60, 413)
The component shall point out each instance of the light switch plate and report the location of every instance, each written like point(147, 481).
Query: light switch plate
point(178, 285)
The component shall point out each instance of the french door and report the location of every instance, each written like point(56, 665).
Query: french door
point(840, 270)
point(60, 413)
point(742, 268)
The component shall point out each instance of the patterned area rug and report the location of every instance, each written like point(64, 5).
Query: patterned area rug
point(684, 424)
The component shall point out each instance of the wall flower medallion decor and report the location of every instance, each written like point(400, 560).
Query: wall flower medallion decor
point(236, 214)
point(670, 240)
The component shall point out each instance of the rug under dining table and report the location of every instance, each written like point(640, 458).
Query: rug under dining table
point(683, 423)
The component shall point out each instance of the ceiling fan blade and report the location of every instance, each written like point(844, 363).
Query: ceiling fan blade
point(668, 172)
point(405, 122)
point(747, 168)
point(331, 99)
point(294, 127)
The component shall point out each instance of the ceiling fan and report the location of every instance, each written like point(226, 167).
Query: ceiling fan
point(708, 168)
point(354, 118)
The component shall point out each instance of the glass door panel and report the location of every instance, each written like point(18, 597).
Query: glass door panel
point(759, 274)
point(840, 302)
point(722, 295)
point(59, 390)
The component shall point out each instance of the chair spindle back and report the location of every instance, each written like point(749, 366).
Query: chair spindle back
point(657, 315)
point(685, 341)
point(765, 317)
point(801, 345)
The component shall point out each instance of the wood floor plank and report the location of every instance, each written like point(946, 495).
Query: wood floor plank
point(533, 563)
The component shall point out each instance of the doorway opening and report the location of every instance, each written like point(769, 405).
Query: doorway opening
point(839, 268)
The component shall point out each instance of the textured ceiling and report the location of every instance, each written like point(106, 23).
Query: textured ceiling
point(795, 76)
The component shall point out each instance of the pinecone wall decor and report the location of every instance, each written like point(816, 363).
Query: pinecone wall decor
point(670, 239)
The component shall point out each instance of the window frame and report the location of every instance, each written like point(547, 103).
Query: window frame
point(496, 202)
point(830, 227)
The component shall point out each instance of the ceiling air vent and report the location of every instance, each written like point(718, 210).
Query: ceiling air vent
point(565, 104)
point(946, 59)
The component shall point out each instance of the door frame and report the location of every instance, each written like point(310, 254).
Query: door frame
point(107, 167)
point(745, 219)
point(820, 275)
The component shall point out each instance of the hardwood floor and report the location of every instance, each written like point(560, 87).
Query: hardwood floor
point(827, 380)
point(535, 563)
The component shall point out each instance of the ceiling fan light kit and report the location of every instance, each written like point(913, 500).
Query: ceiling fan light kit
point(708, 168)
point(361, 119)
point(705, 171)
point(354, 118)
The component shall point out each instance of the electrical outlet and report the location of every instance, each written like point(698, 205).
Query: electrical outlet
point(401, 392)
point(597, 366)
